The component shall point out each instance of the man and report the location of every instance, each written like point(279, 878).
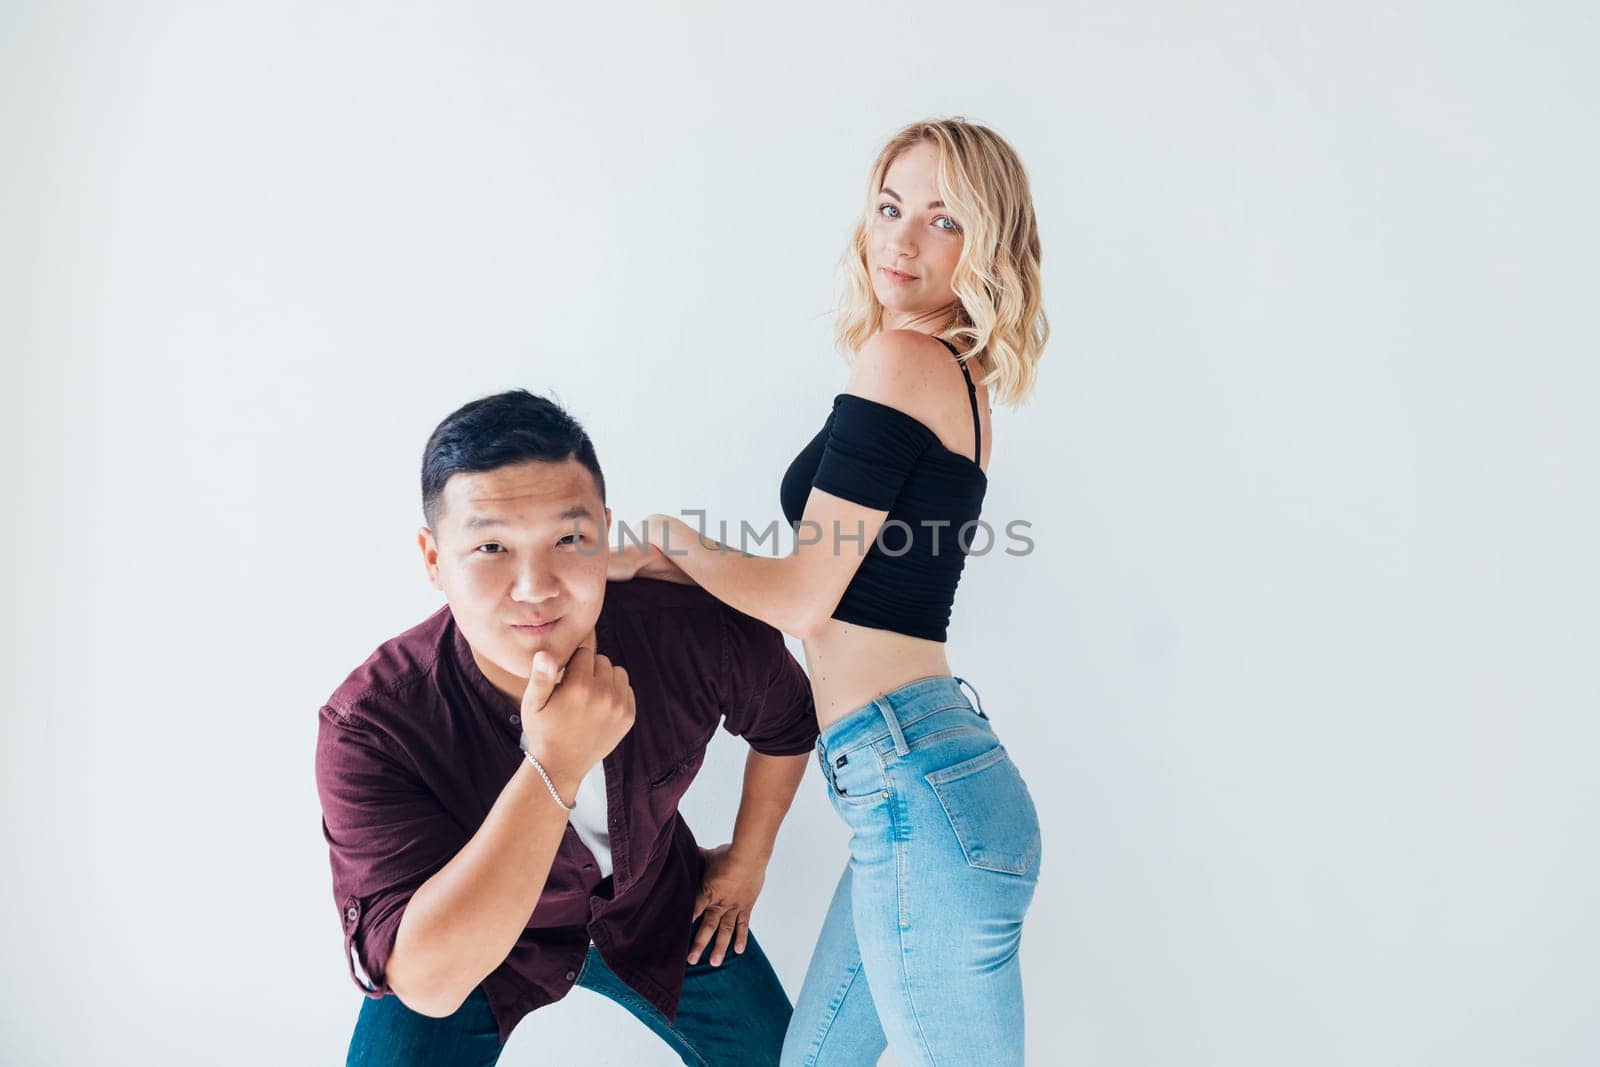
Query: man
point(500, 783)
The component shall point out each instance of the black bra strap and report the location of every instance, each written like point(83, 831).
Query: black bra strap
point(972, 395)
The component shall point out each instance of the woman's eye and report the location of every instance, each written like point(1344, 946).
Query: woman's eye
point(947, 224)
point(885, 209)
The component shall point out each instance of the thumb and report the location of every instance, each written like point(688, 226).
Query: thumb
point(542, 681)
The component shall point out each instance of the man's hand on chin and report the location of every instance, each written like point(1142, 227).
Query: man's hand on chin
point(727, 896)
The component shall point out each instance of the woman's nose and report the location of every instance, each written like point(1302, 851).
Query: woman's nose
point(898, 244)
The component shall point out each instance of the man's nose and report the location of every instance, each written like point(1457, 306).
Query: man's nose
point(534, 583)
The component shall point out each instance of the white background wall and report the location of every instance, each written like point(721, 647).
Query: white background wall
point(1302, 671)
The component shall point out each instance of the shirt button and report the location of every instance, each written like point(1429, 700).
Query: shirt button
point(352, 914)
point(571, 975)
point(515, 719)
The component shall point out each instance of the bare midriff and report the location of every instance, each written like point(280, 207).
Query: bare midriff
point(849, 665)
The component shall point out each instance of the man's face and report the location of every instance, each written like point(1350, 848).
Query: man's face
point(520, 553)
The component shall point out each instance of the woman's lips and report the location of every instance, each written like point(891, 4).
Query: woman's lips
point(899, 277)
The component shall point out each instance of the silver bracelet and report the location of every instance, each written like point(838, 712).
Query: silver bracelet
point(548, 784)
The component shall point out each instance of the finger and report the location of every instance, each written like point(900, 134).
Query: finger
point(700, 901)
point(581, 663)
point(623, 568)
point(590, 641)
point(741, 935)
point(542, 681)
point(702, 936)
point(724, 935)
point(602, 666)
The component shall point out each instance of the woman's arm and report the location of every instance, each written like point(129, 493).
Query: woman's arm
point(628, 562)
point(900, 369)
point(794, 593)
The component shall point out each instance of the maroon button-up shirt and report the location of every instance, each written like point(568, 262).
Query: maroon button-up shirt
point(416, 745)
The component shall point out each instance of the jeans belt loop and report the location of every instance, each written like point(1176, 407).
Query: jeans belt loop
point(976, 698)
point(889, 717)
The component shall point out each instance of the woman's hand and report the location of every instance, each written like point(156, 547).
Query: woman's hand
point(624, 562)
point(654, 529)
point(633, 561)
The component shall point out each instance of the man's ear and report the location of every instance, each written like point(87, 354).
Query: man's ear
point(430, 556)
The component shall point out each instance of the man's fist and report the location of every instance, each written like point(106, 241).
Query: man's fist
point(574, 715)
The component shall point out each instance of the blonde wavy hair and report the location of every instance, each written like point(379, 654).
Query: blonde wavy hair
point(1000, 313)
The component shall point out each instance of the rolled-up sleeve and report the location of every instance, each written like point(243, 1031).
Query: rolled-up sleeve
point(767, 696)
point(386, 834)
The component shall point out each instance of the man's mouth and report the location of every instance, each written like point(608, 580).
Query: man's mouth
point(535, 628)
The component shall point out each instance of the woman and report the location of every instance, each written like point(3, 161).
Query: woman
point(919, 948)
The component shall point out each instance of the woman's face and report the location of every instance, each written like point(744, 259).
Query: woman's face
point(913, 243)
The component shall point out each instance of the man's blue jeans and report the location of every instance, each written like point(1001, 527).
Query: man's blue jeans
point(733, 1014)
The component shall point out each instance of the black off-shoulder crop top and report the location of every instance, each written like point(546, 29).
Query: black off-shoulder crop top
point(882, 458)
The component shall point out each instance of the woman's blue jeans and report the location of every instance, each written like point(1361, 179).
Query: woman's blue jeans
point(920, 947)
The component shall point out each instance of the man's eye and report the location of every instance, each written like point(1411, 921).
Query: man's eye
point(492, 548)
point(570, 539)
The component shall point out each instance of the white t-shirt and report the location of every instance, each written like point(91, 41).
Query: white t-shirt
point(591, 819)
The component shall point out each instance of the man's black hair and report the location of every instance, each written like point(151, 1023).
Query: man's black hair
point(499, 430)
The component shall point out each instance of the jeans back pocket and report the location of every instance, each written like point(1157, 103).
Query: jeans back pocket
point(991, 812)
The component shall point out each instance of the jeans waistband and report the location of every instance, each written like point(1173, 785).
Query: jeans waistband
point(889, 715)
